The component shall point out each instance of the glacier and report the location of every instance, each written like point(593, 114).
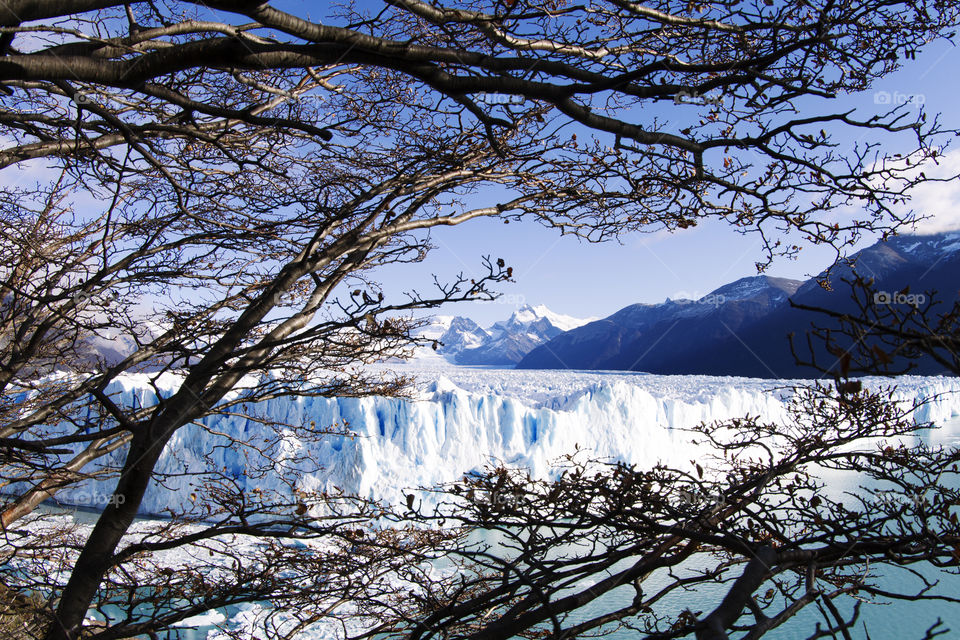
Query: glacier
point(459, 420)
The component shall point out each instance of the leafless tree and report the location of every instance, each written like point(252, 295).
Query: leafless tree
point(884, 332)
point(735, 545)
point(215, 185)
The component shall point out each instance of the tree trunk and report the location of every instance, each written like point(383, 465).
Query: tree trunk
point(715, 625)
point(97, 554)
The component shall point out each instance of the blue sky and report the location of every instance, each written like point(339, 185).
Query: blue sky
point(581, 279)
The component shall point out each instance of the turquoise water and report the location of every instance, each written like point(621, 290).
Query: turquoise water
point(883, 620)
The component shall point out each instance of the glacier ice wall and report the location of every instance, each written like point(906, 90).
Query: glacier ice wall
point(462, 420)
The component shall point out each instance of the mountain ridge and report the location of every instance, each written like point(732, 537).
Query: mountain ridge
point(462, 341)
point(741, 328)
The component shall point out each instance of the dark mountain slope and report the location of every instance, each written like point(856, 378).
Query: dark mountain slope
point(742, 328)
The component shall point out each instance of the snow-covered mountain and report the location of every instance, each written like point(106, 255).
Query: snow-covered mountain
point(926, 248)
point(460, 340)
point(456, 333)
point(527, 328)
point(538, 316)
point(463, 420)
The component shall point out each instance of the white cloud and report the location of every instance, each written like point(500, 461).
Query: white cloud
point(937, 202)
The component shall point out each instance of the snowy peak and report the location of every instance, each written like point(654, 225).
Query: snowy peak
point(921, 256)
point(463, 341)
point(463, 333)
point(925, 248)
point(453, 333)
point(754, 287)
point(531, 315)
point(538, 320)
point(445, 337)
point(508, 341)
point(437, 326)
